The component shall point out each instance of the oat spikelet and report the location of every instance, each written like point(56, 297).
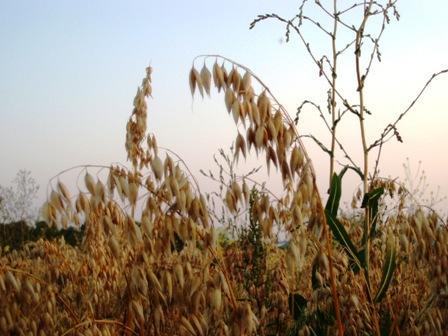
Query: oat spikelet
point(138, 310)
point(218, 77)
point(206, 79)
point(114, 247)
point(13, 281)
point(259, 137)
point(90, 183)
point(64, 191)
point(157, 167)
point(197, 81)
point(192, 80)
point(179, 271)
point(229, 99)
point(240, 146)
point(187, 325)
point(247, 79)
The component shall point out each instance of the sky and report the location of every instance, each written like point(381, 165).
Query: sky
point(70, 70)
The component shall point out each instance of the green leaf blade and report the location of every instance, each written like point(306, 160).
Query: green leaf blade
point(332, 205)
point(341, 235)
point(388, 270)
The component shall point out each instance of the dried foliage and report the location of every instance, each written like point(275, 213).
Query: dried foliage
point(150, 263)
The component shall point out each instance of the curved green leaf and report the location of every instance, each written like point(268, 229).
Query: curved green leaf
point(341, 235)
point(388, 270)
point(371, 200)
point(332, 205)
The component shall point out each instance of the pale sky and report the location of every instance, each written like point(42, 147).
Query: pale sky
point(70, 69)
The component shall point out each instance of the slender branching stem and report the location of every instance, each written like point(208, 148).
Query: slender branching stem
point(333, 90)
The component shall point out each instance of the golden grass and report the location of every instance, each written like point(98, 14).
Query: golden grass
point(160, 270)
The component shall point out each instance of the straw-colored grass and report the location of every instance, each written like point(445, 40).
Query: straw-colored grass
point(163, 273)
point(151, 262)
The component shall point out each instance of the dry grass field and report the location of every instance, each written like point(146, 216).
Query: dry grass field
point(153, 263)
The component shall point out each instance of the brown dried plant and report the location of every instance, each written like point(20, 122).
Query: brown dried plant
point(150, 263)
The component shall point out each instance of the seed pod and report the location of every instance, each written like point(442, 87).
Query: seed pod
point(216, 299)
point(236, 190)
point(56, 201)
point(206, 79)
point(12, 281)
point(157, 167)
point(245, 191)
point(138, 311)
point(85, 203)
point(297, 216)
point(153, 279)
point(229, 98)
point(197, 324)
point(250, 137)
point(270, 156)
point(255, 114)
point(288, 135)
point(187, 325)
point(133, 193)
point(236, 108)
point(286, 174)
point(90, 183)
point(266, 225)
point(259, 136)
point(4, 325)
point(124, 185)
point(182, 201)
point(9, 320)
point(246, 83)
point(45, 212)
point(114, 247)
point(218, 77)
point(272, 132)
point(404, 242)
point(296, 160)
point(169, 285)
point(240, 146)
point(179, 271)
point(230, 201)
point(323, 262)
point(264, 106)
point(195, 81)
point(147, 226)
point(309, 180)
point(100, 192)
point(237, 82)
point(2, 284)
point(64, 191)
point(229, 79)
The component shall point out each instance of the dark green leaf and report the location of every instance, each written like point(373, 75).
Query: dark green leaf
point(332, 205)
point(341, 235)
point(372, 196)
point(297, 304)
point(371, 200)
point(388, 270)
point(314, 282)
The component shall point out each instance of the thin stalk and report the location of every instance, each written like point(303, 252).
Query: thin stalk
point(334, 292)
point(333, 91)
point(360, 80)
point(332, 150)
point(361, 115)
